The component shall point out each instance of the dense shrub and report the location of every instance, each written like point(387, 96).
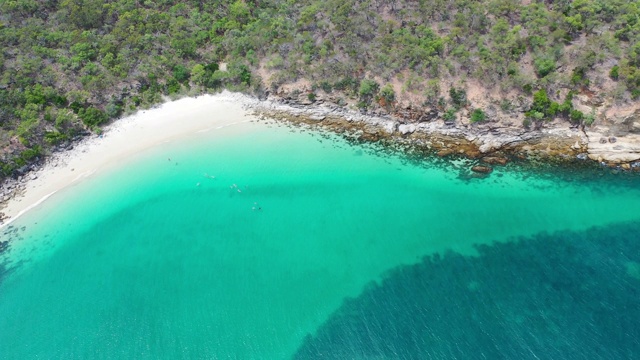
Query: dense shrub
point(478, 115)
point(92, 116)
point(458, 97)
point(368, 88)
point(388, 94)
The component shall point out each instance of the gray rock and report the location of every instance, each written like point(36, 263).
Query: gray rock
point(406, 129)
point(23, 170)
point(389, 126)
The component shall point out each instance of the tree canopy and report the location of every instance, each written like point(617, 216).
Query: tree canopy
point(69, 66)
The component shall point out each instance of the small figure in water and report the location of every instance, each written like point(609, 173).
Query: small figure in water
point(198, 184)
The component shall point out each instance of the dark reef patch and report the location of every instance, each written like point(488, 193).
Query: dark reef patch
point(8, 235)
point(567, 295)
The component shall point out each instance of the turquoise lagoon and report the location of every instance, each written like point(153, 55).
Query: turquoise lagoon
point(265, 242)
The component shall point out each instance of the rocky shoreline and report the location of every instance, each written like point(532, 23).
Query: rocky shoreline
point(490, 144)
point(487, 144)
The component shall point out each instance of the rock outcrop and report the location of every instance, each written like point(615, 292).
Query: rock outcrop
point(616, 139)
point(492, 141)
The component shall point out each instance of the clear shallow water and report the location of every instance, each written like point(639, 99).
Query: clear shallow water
point(301, 235)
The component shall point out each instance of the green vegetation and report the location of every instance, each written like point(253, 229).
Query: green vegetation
point(615, 72)
point(545, 109)
point(388, 94)
point(368, 88)
point(450, 115)
point(69, 66)
point(458, 97)
point(478, 116)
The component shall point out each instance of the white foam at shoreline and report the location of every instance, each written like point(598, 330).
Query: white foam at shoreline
point(24, 211)
point(125, 137)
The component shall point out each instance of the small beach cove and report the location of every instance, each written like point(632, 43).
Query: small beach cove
point(237, 238)
point(125, 137)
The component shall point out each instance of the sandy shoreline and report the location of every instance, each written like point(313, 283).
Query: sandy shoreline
point(124, 137)
point(487, 144)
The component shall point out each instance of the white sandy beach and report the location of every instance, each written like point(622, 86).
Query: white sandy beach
point(127, 136)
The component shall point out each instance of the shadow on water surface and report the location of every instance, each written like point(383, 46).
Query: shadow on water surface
point(567, 295)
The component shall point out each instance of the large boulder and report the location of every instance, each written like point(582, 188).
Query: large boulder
point(405, 129)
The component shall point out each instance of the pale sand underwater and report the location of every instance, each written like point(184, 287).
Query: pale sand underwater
point(146, 129)
point(155, 259)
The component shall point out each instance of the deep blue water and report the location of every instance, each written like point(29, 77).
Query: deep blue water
point(566, 295)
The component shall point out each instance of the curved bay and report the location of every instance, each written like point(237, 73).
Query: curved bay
point(246, 242)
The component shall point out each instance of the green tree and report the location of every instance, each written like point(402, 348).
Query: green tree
point(458, 97)
point(368, 88)
point(544, 66)
point(541, 101)
point(85, 14)
point(92, 116)
point(181, 73)
point(615, 72)
point(388, 94)
point(576, 116)
point(198, 74)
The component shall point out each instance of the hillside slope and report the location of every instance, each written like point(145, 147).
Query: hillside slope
point(69, 66)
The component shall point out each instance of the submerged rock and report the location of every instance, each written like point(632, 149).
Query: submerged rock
point(495, 160)
point(445, 152)
point(482, 169)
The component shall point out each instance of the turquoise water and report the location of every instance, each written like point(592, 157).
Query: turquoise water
point(262, 242)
